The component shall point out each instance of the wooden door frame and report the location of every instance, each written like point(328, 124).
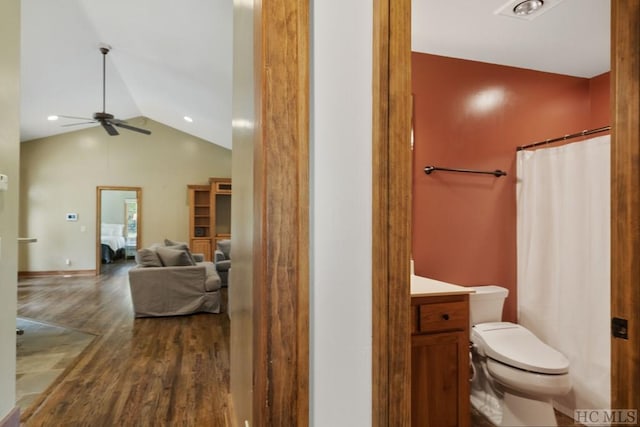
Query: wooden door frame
point(281, 218)
point(391, 346)
point(625, 200)
point(99, 190)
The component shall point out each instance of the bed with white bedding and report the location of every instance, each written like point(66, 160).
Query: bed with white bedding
point(112, 241)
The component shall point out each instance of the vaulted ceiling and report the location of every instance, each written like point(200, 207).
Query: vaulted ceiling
point(169, 59)
point(172, 59)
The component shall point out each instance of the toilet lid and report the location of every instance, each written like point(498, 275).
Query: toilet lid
point(516, 346)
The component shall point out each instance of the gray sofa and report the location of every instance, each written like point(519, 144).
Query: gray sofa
point(222, 259)
point(169, 281)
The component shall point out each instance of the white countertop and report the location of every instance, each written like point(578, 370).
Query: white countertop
point(423, 286)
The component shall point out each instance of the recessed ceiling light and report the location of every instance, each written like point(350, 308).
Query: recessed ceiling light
point(527, 7)
point(527, 10)
point(52, 118)
point(188, 119)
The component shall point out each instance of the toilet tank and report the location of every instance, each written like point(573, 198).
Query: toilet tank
point(485, 305)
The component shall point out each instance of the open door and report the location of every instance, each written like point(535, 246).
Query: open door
point(118, 224)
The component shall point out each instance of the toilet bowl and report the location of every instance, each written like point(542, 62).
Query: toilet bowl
point(515, 374)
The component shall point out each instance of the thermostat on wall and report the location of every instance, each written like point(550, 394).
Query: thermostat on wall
point(72, 217)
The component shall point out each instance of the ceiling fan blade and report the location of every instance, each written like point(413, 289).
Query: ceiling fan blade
point(78, 124)
point(74, 117)
point(109, 128)
point(122, 124)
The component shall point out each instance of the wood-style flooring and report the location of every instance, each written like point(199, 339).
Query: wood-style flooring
point(170, 371)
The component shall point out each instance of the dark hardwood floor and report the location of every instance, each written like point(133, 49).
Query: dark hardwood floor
point(171, 371)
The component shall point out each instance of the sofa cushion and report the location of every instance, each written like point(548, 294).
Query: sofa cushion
point(146, 257)
point(172, 257)
point(182, 247)
point(168, 242)
point(225, 247)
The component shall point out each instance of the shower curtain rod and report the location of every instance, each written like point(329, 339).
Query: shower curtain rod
point(563, 138)
point(497, 173)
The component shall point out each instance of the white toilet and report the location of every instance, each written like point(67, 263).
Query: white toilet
point(515, 375)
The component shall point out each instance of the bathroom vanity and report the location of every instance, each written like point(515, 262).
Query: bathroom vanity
point(439, 354)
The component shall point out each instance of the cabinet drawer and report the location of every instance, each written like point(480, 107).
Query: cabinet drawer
point(444, 316)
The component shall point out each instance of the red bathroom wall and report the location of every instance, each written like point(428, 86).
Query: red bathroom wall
point(473, 115)
point(600, 105)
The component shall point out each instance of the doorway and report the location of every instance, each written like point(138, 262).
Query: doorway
point(391, 374)
point(118, 224)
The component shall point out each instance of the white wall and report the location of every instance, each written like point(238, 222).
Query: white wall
point(242, 210)
point(9, 164)
point(341, 227)
point(113, 206)
point(60, 174)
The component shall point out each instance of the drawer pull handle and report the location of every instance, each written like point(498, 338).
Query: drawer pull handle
point(445, 316)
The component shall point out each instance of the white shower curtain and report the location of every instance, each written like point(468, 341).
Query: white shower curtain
point(563, 196)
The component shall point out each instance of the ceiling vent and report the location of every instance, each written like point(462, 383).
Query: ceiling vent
point(526, 9)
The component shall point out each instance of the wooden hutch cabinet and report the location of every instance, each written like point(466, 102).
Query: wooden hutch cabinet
point(221, 220)
point(440, 361)
point(200, 233)
point(209, 215)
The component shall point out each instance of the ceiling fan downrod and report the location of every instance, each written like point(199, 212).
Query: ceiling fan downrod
point(104, 50)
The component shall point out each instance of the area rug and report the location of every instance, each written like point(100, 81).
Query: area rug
point(43, 353)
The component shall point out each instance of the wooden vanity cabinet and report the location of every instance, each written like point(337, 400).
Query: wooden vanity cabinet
point(440, 361)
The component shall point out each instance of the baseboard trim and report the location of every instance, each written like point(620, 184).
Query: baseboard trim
point(32, 274)
point(12, 419)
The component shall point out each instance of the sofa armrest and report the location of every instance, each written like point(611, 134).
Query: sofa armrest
point(223, 265)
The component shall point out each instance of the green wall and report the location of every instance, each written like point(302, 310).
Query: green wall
point(60, 174)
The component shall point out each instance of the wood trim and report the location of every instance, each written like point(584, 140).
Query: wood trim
point(380, 238)
point(625, 200)
point(391, 374)
point(30, 274)
point(99, 189)
point(281, 251)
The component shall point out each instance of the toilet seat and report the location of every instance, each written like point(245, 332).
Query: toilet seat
point(516, 346)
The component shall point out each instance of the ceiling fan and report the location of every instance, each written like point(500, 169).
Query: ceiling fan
point(106, 120)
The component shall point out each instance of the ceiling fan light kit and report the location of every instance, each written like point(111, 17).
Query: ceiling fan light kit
point(106, 120)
